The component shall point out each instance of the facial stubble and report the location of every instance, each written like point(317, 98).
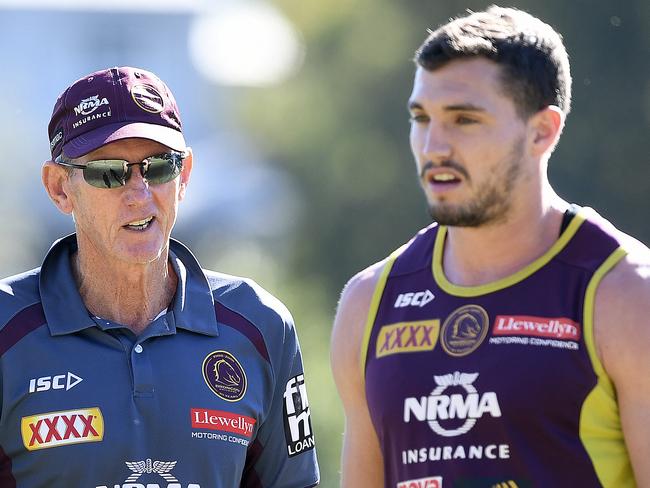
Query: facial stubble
point(493, 200)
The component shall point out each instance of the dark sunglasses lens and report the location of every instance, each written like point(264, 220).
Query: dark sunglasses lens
point(164, 168)
point(105, 174)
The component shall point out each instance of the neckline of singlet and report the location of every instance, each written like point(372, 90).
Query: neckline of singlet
point(573, 218)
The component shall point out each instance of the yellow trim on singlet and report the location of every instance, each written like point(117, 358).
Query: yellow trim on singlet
point(374, 306)
point(600, 424)
point(588, 312)
point(473, 291)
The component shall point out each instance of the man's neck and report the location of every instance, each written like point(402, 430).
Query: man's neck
point(481, 255)
point(131, 295)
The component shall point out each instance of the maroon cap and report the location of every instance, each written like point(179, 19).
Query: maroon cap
point(110, 105)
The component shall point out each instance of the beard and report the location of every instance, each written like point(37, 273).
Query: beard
point(493, 199)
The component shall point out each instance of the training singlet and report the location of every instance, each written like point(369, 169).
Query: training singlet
point(496, 385)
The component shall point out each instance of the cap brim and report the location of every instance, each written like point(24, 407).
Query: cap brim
point(95, 139)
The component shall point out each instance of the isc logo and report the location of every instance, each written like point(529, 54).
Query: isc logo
point(414, 299)
point(58, 382)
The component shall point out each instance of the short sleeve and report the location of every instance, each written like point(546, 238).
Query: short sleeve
point(283, 453)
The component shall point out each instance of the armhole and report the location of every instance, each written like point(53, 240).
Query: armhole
point(588, 312)
point(374, 307)
point(600, 425)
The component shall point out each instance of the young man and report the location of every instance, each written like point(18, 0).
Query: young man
point(123, 363)
point(503, 345)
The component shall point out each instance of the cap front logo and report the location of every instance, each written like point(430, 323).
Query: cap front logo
point(89, 105)
point(147, 98)
point(224, 375)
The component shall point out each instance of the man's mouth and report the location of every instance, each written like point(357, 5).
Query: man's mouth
point(444, 178)
point(140, 224)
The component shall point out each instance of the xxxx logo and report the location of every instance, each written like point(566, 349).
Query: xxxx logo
point(420, 335)
point(62, 428)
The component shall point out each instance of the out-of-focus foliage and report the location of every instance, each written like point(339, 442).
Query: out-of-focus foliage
point(340, 128)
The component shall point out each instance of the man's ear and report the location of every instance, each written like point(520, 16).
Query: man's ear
point(545, 128)
point(185, 173)
point(55, 179)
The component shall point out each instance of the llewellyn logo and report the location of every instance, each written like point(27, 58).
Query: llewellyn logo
point(552, 328)
point(89, 105)
point(402, 337)
point(222, 421)
point(161, 469)
point(442, 412)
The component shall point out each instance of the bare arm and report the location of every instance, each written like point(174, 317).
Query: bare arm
point(361, 462)
point(622, 334)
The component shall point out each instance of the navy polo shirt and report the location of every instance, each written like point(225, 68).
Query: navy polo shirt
point(212, 394)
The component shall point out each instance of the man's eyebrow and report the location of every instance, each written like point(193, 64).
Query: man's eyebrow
point(413, 105)
point(457, 107)
point(464, 107)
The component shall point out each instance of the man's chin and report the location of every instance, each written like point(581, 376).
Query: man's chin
point(143, 254)
point(456, 217)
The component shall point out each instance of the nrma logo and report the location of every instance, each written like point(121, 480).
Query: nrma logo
point(467, 406)
point(89, 105)
point(148, 467)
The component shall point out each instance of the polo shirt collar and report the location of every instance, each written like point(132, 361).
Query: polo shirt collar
point(65, 312)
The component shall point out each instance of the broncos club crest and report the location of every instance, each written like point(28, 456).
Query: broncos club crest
point(224, 375)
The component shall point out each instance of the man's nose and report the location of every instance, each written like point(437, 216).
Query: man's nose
point(136, 186)
point(436, 145)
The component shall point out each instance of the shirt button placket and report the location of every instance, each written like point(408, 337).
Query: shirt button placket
point(142, 372)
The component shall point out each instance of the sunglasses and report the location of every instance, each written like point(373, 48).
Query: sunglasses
point(111, 173)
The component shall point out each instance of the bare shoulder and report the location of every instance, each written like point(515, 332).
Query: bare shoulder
point(350, 324)
point(622, 310)
point(352, 312)
point(361, 460)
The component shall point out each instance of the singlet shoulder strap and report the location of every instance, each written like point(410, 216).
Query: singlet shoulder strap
point(374, 305)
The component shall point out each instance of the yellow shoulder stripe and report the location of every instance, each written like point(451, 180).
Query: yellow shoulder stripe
point(374, 306)
point(600, 423)
point(588, 312)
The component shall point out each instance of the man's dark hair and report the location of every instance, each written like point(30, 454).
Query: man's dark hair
point(532, 57)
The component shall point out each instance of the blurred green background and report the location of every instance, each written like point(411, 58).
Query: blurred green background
point(334, 187)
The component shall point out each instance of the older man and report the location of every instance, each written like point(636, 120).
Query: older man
point(123, 363)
